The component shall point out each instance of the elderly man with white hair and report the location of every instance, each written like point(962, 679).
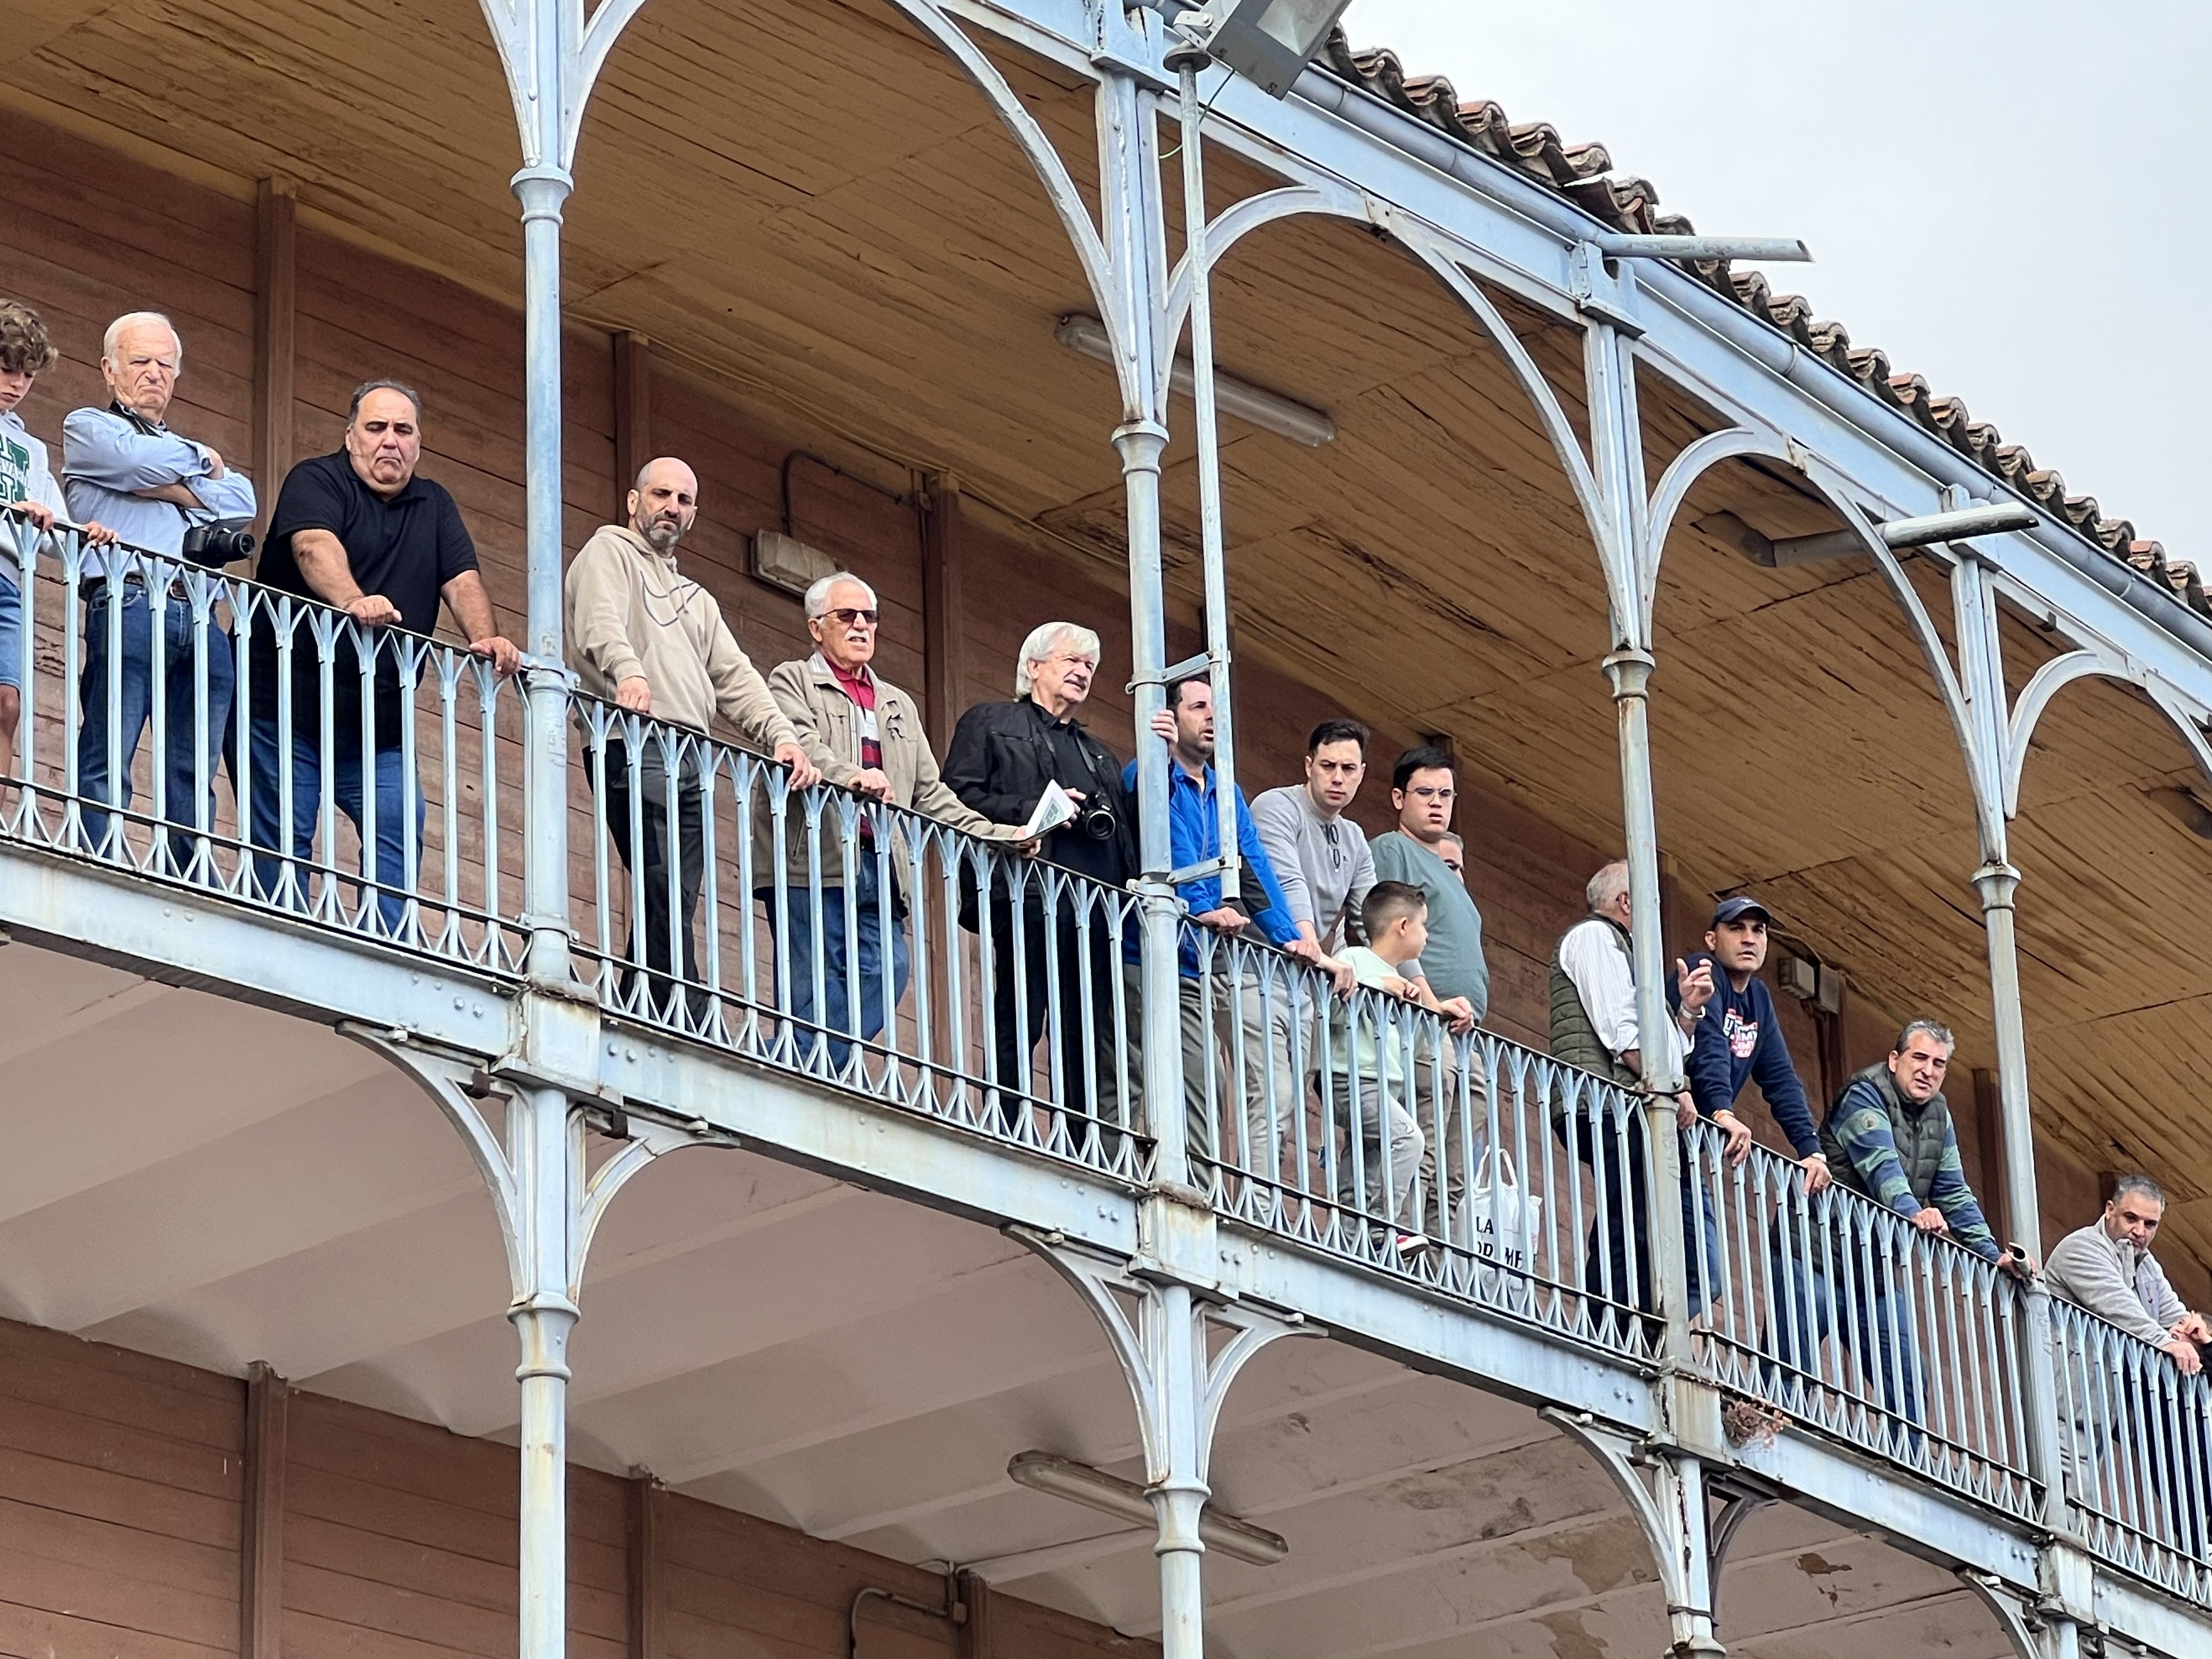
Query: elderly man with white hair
point(867, 735)
point(653, 642)
point(1002, 757)
point(123, 466)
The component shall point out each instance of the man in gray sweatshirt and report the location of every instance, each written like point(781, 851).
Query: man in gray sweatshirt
point(2107, 1268)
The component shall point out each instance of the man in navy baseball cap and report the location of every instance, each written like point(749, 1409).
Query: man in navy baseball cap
point(1740, 1039)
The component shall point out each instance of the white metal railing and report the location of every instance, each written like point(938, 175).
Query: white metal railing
point(1840, 1313)
point(867, 945)
point(1366, 1127)
point(2137, 1437)
point(143, 680)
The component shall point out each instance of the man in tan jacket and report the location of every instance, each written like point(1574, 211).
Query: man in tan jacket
point(867, 735)
point(655, 644)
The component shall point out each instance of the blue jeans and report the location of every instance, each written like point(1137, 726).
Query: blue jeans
point(183, 668)
point(867, 949)
point(281, 882)
point(12, 627)
point(1617, 1267)
point(1873, 1311)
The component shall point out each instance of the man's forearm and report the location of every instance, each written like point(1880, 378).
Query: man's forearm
point(471, 606)
point(323, 564)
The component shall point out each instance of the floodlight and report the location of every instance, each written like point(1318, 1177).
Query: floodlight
point(1270, 410)
point(1983, 519)
point(1063, 1477)
point(1268, 42)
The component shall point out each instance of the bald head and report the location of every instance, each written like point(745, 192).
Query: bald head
point(665, 502)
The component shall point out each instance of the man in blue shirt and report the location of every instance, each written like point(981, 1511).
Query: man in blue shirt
point(124, 467)
point(1226, 990)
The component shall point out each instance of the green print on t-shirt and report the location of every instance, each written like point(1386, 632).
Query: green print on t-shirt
point(15, 473)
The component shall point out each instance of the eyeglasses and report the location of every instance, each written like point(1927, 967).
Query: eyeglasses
point(1335, 847)
point(844, 617)
point(1426, 792)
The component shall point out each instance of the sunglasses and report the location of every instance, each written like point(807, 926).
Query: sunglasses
point(846, 617)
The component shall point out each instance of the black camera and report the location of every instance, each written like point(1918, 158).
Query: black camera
point(1095, 819)
point(223, 542)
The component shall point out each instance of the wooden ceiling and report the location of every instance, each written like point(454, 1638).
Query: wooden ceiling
point(809, 206)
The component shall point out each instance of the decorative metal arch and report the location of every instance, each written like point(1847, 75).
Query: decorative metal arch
point(1699, 458)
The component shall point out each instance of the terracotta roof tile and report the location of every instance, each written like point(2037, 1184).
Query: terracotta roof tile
point(1583, 175)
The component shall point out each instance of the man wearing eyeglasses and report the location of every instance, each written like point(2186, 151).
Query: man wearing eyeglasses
point(654, 643)
point(1452, 969)
point(867, 735)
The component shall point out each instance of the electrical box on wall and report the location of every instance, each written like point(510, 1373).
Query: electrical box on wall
point(1828, 994)
point(785, 562)
point(1797, 978)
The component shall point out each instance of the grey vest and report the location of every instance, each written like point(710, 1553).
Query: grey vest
point(1919, 1132)
point(1574, 1039)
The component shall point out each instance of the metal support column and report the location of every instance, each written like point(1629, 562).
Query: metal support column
point(540, 1140)
point(1178, 1379)
point(543, 191)
point(1617, 463)
point(1665, 1487)
point(1135, 236)
point(1987, 738)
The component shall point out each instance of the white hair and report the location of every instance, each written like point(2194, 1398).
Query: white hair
point(140, 319)
point(817, 597)
point(1043, 640)
point(1606, 885)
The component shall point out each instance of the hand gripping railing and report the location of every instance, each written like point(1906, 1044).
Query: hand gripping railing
point(143, 680)
point(1841, 1314)
point(2137, 1440)
point(1364, 1126)
point(828, 933)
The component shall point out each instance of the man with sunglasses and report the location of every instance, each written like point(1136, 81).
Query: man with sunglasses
point(867, 735)
point(653, 643)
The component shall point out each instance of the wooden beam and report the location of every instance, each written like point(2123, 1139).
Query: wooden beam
point(943, 655)
point(633, 383)
point(276, 299)
point(971, 1632)
point(261, 1532)
point(649, 1504)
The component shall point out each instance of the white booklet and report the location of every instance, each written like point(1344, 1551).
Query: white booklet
point(1054, 809)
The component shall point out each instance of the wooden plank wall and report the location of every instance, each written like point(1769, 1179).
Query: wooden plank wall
point(91, 235)
point(121, 1485)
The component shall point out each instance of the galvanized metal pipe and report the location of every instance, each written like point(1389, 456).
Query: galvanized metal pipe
point(1213, 557)
point(543, 191)
point(547, 1159)
point(1136, 245)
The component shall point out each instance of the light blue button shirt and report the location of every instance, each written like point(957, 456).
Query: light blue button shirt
point(105, 457)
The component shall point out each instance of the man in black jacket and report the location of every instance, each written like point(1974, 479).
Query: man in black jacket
point(1002, 757)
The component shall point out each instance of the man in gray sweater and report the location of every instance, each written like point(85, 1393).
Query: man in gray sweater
point(2107, 1268)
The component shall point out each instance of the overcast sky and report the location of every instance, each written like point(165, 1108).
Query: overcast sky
point(2004, 198)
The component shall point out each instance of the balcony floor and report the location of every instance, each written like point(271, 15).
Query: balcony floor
point(216, 1184)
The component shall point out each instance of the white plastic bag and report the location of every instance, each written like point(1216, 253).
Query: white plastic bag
point(1504, 1220)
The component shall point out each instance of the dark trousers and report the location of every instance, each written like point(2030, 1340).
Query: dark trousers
point(669, 836)
point(1616, 1266)
point(1872, 1305)
point(1016, 1030)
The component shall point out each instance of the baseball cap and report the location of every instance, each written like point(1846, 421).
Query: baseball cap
point(1736, 908)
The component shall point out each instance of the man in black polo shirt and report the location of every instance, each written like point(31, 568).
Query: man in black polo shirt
point(358, 531)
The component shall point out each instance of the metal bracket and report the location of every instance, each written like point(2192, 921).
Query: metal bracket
point(1118, 41)
point(1597, 292)
point(1175, 672)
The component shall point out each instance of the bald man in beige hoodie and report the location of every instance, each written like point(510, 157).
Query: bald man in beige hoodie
point(653, 642)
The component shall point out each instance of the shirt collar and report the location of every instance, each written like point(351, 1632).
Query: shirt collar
point(1070, 723)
